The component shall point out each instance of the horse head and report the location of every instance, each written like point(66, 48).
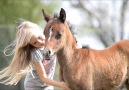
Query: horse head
point(57, 33)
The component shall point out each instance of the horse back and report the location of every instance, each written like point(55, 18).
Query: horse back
point(110, 65)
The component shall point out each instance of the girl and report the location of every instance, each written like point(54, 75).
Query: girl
point(28, 58)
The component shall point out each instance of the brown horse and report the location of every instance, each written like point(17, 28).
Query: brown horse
point(85, 69)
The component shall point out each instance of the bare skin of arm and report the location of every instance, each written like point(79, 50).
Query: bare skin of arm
point(42, 75)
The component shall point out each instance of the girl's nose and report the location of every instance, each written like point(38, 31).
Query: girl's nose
point(42, 37)
point(42, 41)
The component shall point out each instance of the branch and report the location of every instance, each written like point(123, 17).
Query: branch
point(122, 18)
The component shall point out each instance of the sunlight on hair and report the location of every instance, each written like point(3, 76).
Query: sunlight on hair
point(21, 52)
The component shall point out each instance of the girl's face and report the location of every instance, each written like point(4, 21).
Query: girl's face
point(37, 40)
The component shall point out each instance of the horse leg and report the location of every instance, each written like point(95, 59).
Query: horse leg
point(89, 83)
point(89, 79)
point(89, 86)
point(127, 81)
point(127, 84)
point(61, 75)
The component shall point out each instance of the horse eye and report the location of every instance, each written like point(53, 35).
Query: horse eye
point(51, 30)
point(58, 36)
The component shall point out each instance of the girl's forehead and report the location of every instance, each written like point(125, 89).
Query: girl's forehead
point(36, 31)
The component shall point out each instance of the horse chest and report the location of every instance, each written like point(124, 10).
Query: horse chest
point(74, 79)
point(73, 82)
point(70, 75)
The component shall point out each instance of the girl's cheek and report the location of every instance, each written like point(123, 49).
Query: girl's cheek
point(43, 36)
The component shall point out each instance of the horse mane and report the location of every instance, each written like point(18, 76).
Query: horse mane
point(85, 47)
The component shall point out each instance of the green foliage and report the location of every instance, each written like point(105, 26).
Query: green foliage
point(11, 10)
point(6, 36)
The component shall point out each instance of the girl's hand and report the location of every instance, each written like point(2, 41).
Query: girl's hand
point(65, 86)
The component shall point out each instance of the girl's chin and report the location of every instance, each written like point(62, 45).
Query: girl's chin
point(42, 48)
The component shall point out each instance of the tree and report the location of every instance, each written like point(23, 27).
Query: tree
point(10, 11)
point(108, 22)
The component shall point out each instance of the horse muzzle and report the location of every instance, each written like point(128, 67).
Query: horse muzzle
point(48, 54)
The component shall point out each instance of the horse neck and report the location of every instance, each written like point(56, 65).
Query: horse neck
point(66, 54)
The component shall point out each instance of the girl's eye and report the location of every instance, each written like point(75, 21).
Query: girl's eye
point(52, 29)
point(40, 37)
point(35, 42)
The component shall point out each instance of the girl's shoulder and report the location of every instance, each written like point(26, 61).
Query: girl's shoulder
point(37, 55)
point(37, 50)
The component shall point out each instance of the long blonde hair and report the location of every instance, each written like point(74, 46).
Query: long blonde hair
point(21, 60)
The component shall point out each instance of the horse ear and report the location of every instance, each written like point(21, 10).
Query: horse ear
point(46, 16)
point(62, 16)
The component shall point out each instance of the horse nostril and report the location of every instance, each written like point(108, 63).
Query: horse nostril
point(49, 52)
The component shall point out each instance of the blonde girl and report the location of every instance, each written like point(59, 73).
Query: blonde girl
point(28, 60)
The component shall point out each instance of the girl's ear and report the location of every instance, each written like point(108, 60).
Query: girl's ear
point(62, 16)
point(46, 16)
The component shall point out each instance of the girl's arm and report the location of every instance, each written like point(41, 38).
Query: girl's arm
point(42, 75)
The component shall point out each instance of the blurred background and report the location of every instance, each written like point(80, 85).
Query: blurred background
point(97, 23)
